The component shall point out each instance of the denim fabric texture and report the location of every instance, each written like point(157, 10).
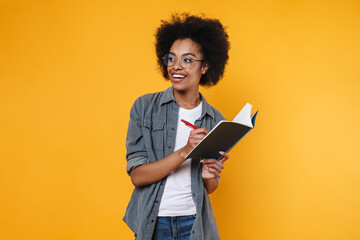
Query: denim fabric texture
point(173, 228)
point(150, 137)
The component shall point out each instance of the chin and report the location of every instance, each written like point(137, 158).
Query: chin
point(178, 87)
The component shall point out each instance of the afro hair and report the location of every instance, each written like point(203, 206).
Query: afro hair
point(208, 33)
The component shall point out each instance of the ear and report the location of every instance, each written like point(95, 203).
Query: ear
point(204, 68)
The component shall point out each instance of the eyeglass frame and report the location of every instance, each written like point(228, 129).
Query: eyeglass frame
point(185, 54)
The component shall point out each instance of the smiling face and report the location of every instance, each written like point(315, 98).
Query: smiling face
point(186, 80)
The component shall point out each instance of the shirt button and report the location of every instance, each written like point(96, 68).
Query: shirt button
point(173, 129)
point(169, 147)
point(152, 220)
point(194, 194)
point(193, 175)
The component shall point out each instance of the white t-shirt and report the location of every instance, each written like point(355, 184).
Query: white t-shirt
point(177, 198)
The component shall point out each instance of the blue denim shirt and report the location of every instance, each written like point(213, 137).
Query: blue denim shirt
point(151, 136)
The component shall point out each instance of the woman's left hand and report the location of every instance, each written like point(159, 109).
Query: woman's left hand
point(212, 167)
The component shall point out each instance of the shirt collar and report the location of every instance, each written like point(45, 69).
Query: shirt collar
point(168, 96)
point(206, 108)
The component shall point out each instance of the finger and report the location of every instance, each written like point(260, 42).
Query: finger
point(216, 167)
point(200, 131)
point(225, 156)
point(213, 162)
point(214, 172)
point(198, 136)
point(195, 141)
point(205, 131)
point(208, 161)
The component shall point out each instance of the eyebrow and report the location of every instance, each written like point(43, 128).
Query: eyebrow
point(184, 54)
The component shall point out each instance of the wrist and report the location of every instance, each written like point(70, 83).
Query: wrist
point(183, 153)
point(209, 180)
point(210, 184)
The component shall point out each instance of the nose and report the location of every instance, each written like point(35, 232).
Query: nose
point(177, 65)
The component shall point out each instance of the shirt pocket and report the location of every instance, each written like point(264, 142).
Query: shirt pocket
point(154, 134)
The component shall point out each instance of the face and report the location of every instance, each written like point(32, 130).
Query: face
point(186, 79)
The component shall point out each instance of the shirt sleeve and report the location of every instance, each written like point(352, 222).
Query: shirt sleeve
point(218, 117)
point(136, 154)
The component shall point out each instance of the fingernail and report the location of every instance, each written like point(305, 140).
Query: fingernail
point(221, 152)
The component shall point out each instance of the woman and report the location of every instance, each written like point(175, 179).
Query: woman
point(170, 199)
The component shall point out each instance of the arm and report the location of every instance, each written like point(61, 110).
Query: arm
point(155, 171)
point(211, 170)
point(149, 173)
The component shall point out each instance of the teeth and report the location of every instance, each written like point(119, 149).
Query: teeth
point(178, 76)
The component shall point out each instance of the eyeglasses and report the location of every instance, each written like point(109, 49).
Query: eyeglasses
point(185, 60)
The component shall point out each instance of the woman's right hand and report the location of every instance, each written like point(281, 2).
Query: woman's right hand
point(195, 137)
point(149, 173)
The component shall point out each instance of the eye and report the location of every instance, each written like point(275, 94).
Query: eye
point(171, 59)
point(187, 60)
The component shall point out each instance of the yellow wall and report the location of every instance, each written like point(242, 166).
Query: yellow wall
point(70, 71)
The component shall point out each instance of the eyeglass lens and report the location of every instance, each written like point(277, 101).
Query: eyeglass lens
point(185, 60)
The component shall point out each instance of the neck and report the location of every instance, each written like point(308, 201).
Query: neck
point(187, 100)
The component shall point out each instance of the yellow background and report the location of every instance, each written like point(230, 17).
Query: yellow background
point(70, 71)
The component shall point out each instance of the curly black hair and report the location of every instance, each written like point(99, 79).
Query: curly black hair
point(208, 33)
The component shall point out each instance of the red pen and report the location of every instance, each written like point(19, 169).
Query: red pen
point(189, 124)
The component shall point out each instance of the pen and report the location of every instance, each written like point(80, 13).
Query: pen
point(189, 124)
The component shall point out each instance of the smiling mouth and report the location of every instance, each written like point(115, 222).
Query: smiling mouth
point(178, 77)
